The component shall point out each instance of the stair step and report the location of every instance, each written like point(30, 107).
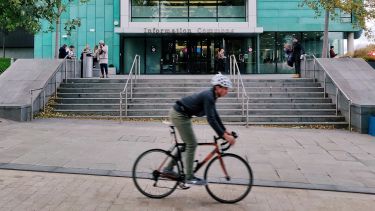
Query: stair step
point(272, 101)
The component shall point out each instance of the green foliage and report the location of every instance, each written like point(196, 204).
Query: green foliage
point(4, 64)
point(28, 14)
point(364, 53)
point(362, 11)
point(25, 14)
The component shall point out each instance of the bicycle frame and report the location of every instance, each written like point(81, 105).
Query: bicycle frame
point(199, 165)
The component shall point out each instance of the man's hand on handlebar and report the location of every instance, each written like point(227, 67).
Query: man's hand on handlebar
point(229, 137)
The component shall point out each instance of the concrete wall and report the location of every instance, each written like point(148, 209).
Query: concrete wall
point(355, 113)
point(22, 77)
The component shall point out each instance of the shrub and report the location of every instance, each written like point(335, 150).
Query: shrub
point(364, 53)
point(4, 64)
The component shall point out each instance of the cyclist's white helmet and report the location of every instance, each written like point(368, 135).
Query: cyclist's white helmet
point(221, 80)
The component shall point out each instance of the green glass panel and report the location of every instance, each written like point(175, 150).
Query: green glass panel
point(91, 39)
point(82, 37)
point(133, 46)
point(100, 9)
point(38, 43)
point(83, 26)
point(145, 19)
point(82, 10)
point(232, 19)
point(116, 39)
point(91, 12)
point(202, 11)
point(145, 11)
point(153, 57)
point(174, 20)
point(99, 30)
point(109, 18)
point(47, 51)
point(201, 19)
point(232, 11)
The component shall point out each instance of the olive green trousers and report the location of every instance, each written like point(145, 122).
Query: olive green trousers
point(185, 129)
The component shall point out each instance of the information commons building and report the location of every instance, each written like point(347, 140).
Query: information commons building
point(183, 36)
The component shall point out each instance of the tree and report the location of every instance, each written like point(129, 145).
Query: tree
point(362, 11)
point(28, 14)
point(14, 14)
point(53, 9)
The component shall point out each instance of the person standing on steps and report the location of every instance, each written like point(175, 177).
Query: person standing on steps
point(103, 58)
point(298, 51)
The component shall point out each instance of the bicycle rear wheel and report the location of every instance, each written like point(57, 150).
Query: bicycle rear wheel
point(147, 175)
point(229, 189)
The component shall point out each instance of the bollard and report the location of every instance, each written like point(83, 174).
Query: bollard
point(371, 125)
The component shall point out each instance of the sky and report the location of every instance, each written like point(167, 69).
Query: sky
point(363, 41)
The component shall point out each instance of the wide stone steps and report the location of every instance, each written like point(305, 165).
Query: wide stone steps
point(271, 101)
point(182, 94)
point(152, 101)
point(278, 106)
point(192, 84)
point(187, 89)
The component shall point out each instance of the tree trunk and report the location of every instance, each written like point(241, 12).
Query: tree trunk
point(3, 45)
point(325, 36)
point(3, 40)
point(57, 38)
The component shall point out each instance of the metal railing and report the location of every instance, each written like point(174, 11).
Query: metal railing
point(63, 70)
point(236, 77)
point(338, 89)
point(135, 72)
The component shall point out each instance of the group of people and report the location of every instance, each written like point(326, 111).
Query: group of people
point(100, 55)
point(66, 52)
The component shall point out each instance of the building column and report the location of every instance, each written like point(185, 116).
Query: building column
point(350, 43)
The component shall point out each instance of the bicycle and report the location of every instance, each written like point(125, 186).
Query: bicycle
point(229, 176)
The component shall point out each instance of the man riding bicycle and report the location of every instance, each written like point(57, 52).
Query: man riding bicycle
point(199, 104)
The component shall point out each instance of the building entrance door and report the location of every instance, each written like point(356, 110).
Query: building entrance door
point(187, 56)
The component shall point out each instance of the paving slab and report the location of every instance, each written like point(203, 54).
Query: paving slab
point(26, 190)
point(336, 160)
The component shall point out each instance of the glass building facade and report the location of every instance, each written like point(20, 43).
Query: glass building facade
point(183, 36)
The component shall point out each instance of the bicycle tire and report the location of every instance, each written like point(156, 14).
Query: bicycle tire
point(146, 174)
point(231, 190)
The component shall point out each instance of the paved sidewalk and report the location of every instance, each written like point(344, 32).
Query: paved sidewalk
point(283, 157)
point(21, 190)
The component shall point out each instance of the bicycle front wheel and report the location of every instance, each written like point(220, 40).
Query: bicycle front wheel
point(148, 177)
point(229, 178)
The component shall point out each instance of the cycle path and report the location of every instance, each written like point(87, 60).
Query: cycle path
point(335, 160)
point(21, 190)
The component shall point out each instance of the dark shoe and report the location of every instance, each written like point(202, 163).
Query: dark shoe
point(196, 181)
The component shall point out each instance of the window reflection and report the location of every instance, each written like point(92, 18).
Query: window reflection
point(188, 10)
point(272, 55)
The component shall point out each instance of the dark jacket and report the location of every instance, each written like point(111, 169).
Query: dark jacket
point(202, 104)
point(62, 53)
point(297, 51)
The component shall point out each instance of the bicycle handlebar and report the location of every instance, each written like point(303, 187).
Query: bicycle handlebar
point(223, 145)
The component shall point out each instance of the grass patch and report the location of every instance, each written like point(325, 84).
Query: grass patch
point(4, 64)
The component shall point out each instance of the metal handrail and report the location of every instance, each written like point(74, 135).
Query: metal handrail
point(233, 71)
point(338, 89)
point(43, 88)
point(136, 66)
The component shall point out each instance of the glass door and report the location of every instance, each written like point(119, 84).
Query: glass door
point(186, 56)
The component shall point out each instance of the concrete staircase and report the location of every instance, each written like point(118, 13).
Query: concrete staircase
point(272, 101)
